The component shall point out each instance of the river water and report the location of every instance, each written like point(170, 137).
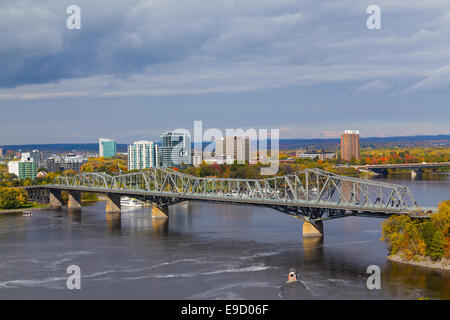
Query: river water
point(208, 251)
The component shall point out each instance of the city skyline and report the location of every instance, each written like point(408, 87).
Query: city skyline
point(307, 70)
point(334, 140)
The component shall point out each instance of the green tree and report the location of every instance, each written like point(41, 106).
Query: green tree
point(437, 246)
point(11, 198)
point(89, 197)
point(69, 173)
point(402, 235)
point(428, 231)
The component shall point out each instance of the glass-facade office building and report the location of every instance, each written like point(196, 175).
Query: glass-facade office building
point(107, 148)
point(175, 149)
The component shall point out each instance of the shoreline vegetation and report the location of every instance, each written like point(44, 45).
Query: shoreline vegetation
point(15, 200)
point(31, 207)
point(419, 242)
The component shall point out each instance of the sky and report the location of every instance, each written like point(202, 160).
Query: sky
point(137, 68)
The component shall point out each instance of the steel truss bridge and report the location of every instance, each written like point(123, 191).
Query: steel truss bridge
point(312, 194)
point(380, 168)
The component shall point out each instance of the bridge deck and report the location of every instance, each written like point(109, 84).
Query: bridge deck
point(407, 165)
point(241, 200)
point(312, 192)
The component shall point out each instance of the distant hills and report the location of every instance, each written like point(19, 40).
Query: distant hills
point(62, 147)
point(374, 142)
point(328, 144)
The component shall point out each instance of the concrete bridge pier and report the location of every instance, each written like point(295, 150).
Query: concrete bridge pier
point(55, 199)
point(160, 226)
point(312, 249)
point(160, 212)
point(74, 215)
point(74, 200)
point(313, 229)
point(113, 222)
point(113, 203)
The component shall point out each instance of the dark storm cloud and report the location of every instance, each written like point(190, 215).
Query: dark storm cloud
point(131, 37)
point(173, 51)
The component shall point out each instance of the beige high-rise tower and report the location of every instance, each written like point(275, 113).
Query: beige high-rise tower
point(350, 145)
point(237, 147)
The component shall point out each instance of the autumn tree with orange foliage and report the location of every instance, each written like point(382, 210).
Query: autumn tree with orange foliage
point(405, 155)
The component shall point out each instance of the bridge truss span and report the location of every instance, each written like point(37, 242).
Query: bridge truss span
point(311, 193)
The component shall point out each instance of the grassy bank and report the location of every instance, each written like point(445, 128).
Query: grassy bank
point(29, 206)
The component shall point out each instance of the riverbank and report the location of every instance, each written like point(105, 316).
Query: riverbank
point(35, 207)
point(443, 264)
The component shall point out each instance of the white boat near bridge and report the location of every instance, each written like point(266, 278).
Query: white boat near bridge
point(131, 202)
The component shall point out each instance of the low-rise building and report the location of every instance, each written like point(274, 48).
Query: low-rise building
point(220, 160)
point(42, 174)
point(314, 155)
point(68, 162)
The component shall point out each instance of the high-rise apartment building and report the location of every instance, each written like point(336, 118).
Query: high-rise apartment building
point(237, 147)
point(69, 162)
point(350, 145)
point(107, 148)
point(196, 158)
point(175, 149)
point(52, 164)
point(23, 169)
point(143, 155)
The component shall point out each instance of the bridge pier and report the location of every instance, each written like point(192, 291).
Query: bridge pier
point(74, 200)
point(160, 226)
point(160, 212)
point(113, 222)
point(312, 229)
point(312, 249)
point(55, 199)
point(113, 203)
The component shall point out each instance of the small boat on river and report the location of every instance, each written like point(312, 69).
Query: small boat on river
point(27, 213)
point(292, 276)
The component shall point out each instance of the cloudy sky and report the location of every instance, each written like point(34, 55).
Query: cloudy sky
point(139, 67)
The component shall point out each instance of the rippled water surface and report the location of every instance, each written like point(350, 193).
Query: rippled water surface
point(208, 251)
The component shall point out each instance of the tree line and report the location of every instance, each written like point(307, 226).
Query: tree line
point(414, 239)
